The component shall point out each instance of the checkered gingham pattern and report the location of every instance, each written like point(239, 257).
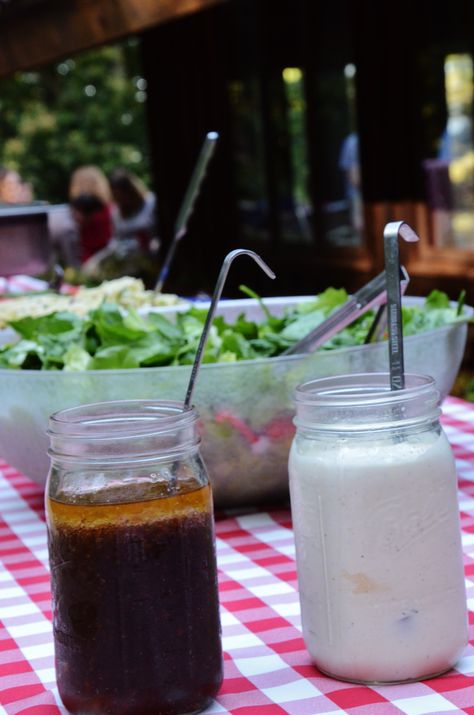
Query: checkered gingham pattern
point(267, 669)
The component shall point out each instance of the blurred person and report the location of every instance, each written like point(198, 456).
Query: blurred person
point(134, 210)
point(13, 190)
point(64, 235)
point(350, 166)
point(90, 200)
point(133, 245)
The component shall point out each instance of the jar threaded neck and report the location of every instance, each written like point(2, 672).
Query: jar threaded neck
point(361, 402)
point(119, 431)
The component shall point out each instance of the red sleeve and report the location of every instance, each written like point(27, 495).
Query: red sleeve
point(96, 232)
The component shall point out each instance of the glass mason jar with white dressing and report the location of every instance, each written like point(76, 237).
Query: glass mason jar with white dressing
point(376, 522)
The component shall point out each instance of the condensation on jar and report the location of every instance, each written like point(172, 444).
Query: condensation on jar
point(376, 520)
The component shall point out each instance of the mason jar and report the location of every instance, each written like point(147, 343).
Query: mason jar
point(132, 555)
point(376, 522)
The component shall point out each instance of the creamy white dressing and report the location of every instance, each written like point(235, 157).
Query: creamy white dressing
point(379, 558)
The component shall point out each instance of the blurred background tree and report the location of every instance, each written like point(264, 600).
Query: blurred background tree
point(89, 109)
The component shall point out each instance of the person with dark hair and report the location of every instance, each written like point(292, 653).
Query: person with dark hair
point(133, 246)
point(134, 212)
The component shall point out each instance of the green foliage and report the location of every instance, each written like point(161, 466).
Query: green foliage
point(86, 110)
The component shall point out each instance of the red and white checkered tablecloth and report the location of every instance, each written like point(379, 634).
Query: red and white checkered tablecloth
point(21, 284)
point(267, 669)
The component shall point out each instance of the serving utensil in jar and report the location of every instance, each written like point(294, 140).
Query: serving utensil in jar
point(212, 309)
point(392, 232)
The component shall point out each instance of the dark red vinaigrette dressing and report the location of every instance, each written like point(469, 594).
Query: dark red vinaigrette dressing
point(135, 604)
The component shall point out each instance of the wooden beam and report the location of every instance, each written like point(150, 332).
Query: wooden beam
point(53, 29)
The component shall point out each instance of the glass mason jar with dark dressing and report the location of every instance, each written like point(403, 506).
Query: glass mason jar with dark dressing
point(132, 555)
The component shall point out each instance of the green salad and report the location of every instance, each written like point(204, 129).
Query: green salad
point(112, 338)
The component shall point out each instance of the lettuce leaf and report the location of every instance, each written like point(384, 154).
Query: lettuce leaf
point(110, 339)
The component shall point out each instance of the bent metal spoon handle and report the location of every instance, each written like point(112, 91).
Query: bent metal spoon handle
point(212, 309)
point(392, 232)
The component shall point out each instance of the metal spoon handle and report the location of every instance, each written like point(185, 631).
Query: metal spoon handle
point(392, 232)
point(212, 309)
point(181, 224)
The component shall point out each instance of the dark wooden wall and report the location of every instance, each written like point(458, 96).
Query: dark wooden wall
point(186, 88)
point(401, 112)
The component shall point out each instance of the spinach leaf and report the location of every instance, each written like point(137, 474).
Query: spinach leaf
point(113, 339)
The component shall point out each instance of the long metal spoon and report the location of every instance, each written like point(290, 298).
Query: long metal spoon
point(212, 309)
point(181, 224)
point(392, 232)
